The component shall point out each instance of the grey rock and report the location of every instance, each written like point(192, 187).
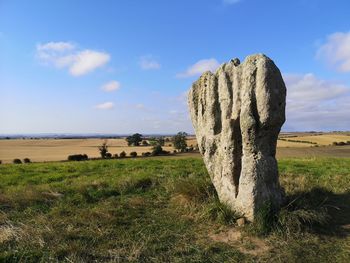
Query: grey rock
point(237, 113)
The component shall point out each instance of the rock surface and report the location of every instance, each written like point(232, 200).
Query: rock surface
point(237, 113)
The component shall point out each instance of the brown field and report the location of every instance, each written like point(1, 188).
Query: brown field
point(59, 149)
point(325, 139)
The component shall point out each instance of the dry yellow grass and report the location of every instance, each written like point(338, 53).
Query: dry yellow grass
point(292, 144)
point(56, 150)
point(324, 139)
point(59, 149)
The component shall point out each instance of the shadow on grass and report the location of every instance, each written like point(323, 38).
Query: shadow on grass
point(319, 210)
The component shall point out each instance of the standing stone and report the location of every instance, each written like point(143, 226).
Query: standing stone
point(237, 113)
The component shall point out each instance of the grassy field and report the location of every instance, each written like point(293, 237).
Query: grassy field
point(59, 149)
point(166, 210)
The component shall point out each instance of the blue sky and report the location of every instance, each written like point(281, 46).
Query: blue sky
point(126, 66)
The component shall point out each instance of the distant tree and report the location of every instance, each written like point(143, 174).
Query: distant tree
point(179, 141)
point(160, 141)
point(26, 160)
point(134, 139)
point(103, 149)
point(133, 154)
point(157, 141)
point(17, 161)
point(115, 156)
point(144, 143)
point(122, 154)
point(108, 156)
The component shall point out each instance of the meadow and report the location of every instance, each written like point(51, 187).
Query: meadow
point(166, 210)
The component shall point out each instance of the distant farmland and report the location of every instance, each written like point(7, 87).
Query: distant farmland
point(289, 145)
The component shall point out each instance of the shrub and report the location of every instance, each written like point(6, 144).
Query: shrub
point(146, 154)
point(17, 161)
point(78, 157)
point(122, 154)
point(108, 156)
point(26, 160)
point(157, 150)
point(103, 149)
point(133, 154)
point(144, 143)
point(341, 143)
point(0, 162)
point(115, 156)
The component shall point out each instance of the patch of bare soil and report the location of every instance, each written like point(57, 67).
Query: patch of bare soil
point(248, 245)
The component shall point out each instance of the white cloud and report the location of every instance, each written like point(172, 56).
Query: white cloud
point(200, 67)
point(316, 104)
point(148, 62)
point(87, 61)
point(111, 86)
point(309, 88)
point(230, 2)
point(105, 106)
point(336, 51)
point(55, 46)
point(66, 55)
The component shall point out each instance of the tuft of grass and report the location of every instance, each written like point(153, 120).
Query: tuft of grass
point(134, 185)
point(291, 222)
point(303, 212)
point(265, 220)
point(195, 189)
point(220, 213)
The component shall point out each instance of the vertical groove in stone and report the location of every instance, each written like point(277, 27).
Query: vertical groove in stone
point(216, 111)
point(253, 105)
point(237, 154)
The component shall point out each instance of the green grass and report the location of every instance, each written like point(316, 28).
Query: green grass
point(165, 210)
